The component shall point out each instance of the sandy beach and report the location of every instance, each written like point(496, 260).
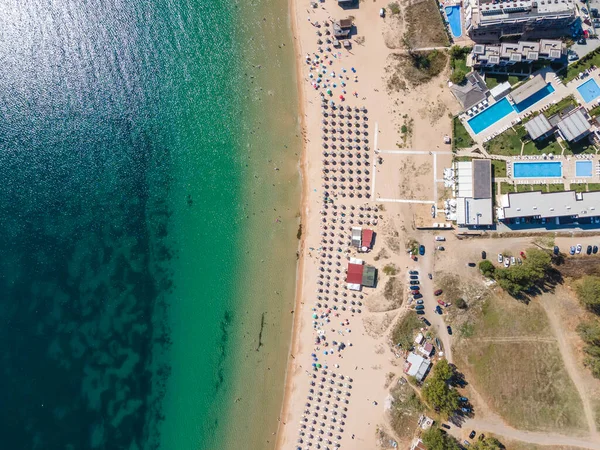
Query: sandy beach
point(336, 394)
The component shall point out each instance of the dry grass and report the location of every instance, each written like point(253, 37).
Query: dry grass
point(511, 358)
point(424, 26)
point(406, 409)
point(525, 382)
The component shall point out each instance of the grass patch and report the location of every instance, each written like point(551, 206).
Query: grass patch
point(594, 186)
point(494, 80)
point(405, 331)
point(506, 188)
point(560, 105)
point(394, 8)
point(594, 112)
point(582, 146)
point(524, 187)
point(414, 68)
point(458, 58)
point(534, 391)
point(578, 187)
point(460, 137)
point(589, 60)
point(549, 145)
point(556, 187)
point(406, 409)
point(508, 143)
point(390, 269)
point(498, 168)
point(424, 25)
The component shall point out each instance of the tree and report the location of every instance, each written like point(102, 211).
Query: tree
point(487, 268)
point(518, 279)
point(588, 292)
point(434, 439)
point(437, 391)
point(460, 303)
point(458, 76)
point(489, 443)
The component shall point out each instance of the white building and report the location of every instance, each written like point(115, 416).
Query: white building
point(416, 366)
point(474, 193)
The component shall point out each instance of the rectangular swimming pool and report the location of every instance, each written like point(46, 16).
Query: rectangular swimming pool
point(490, 116)
point(589, 90)
point(542, 169)
point(532, 99)
point(583, 168)
point(453, 15)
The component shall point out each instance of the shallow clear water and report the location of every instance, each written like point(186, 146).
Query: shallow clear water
point(490, 116)
point(583, 168)
point(589, 90)
point(125, 157)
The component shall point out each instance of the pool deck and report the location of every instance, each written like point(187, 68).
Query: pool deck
point(560, 91)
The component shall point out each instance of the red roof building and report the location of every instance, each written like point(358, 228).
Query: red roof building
point(355, 273)
point(367, 238)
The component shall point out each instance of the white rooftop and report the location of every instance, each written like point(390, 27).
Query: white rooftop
point(550, 204)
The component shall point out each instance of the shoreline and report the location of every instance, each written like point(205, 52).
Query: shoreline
point(303, 172)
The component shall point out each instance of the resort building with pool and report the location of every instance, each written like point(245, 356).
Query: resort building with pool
point(489, 21)
point(509, 53)
point(572, 124)
point(569, 205)
point(471, 92)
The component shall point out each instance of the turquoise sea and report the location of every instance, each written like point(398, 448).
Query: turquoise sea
point(149, 198)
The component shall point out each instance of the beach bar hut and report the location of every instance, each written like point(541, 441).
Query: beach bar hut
point(367, 239)
point(357, 237)
point(354, 275)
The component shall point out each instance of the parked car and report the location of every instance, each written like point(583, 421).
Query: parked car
point(419, 302)
point(417, 296)
point(556, 250)
point(595, 249)
point(414, 288)
point(584, 10)
point(425, 321)
point(483, 255)
point(430, 276)
point(413, 272)
point(471, 264)
point(500, 258)
point(438, 310)
point(466, 443)
point(512, 260)
point(519, 261)
point(572, 250)
point(466, 411)
point(588, 250)
point(463, 399)
point(414, 282)
point(523, 255)
point(578, 249)
point(446, 426)
point(472, 434)
point(449, 330)
point(421, 250)
point(440, 238)
point(441, 302)
point(507, 262)
point(438, 292)
point(414, 277)
point(420, 311)
point(440, 248)
point(419, 307)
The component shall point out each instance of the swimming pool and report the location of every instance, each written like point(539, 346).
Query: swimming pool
point(453, 15)
point(583, 168)
point(490, 116)
point(589, 90)
point(549, 169)
point(539, 95)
